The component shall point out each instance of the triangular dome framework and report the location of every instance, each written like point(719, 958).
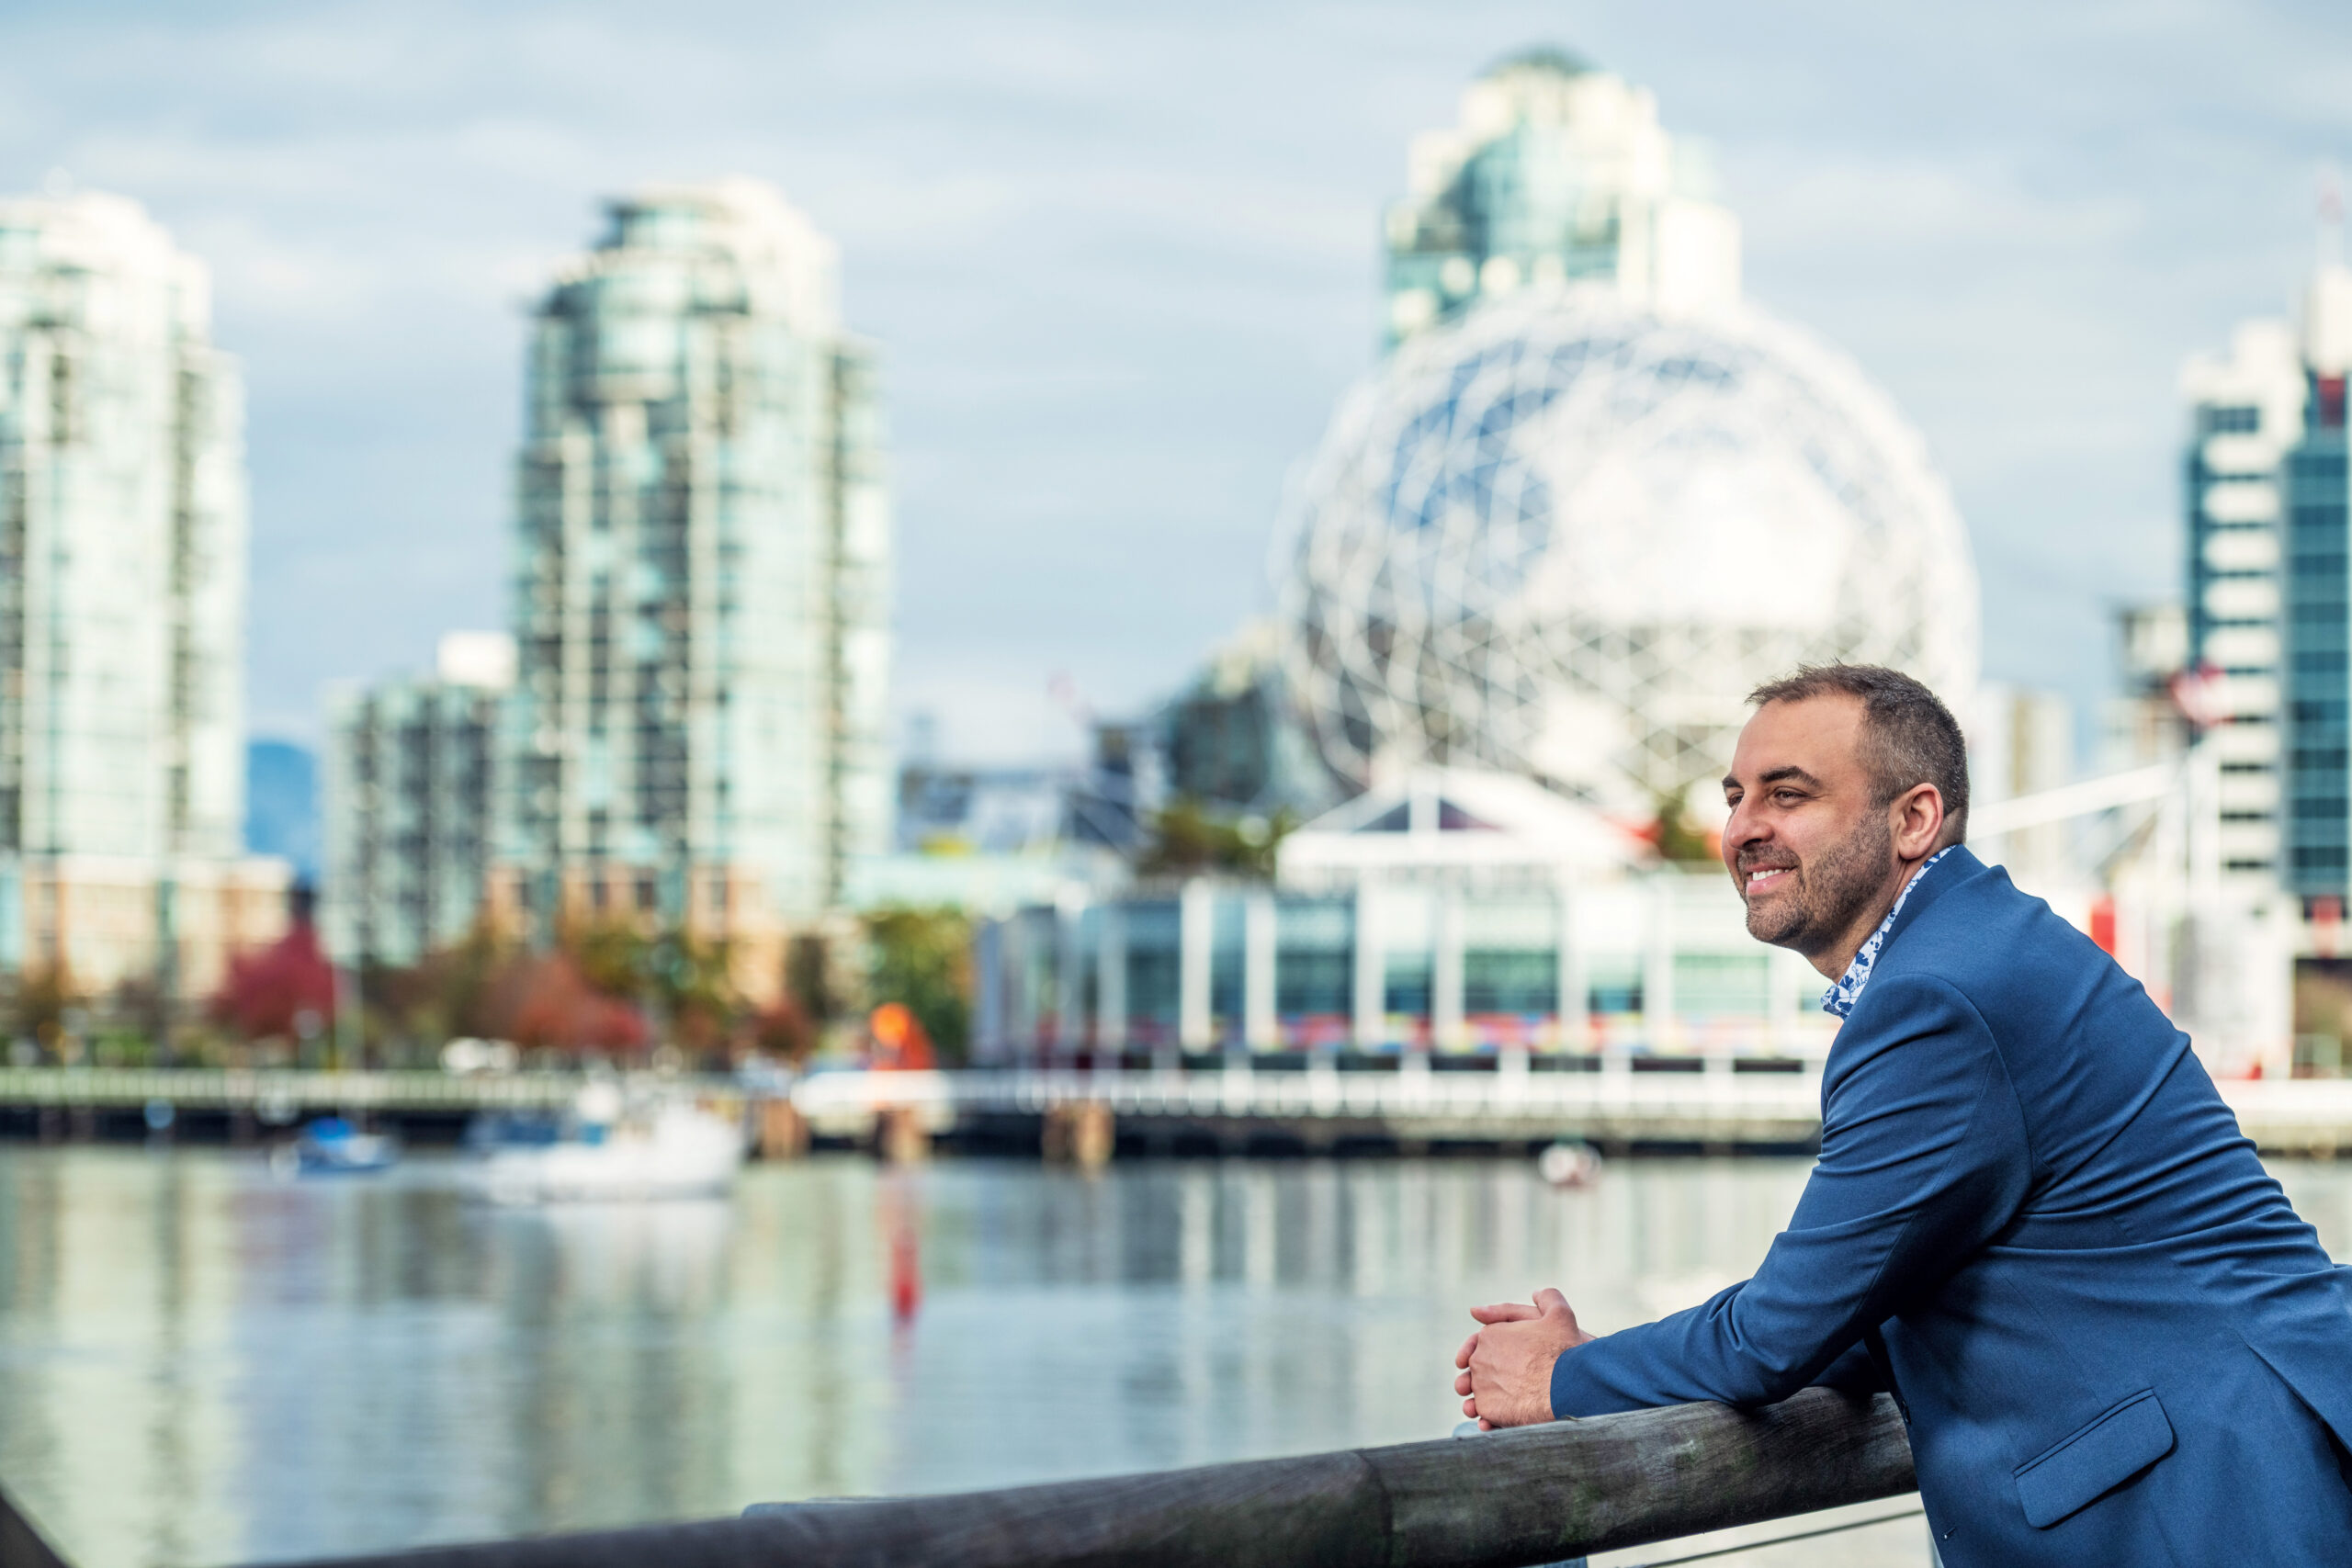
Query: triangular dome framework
point(1427, 625)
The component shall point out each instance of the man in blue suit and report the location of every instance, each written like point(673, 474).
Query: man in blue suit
point(2033, 1220)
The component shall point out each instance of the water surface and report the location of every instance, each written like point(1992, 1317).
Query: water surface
point(202, 1364)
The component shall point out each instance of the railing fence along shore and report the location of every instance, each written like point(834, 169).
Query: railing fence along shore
point(1538, 1495)
point(1232, 1106)
point(1719, 1105)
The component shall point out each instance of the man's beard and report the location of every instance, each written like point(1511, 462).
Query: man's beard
point(1831, 893)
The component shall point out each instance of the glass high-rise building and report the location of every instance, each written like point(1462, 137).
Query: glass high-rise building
point(2265, 588)
point(1557, 174)
point(2318, 729)
point(411, 792)
point(697, 731)
point(2244, 414)
point(122, 598)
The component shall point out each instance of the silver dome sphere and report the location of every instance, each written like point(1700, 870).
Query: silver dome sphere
point(1566, 536)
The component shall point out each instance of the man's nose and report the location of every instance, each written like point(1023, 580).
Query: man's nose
point(1744, 827)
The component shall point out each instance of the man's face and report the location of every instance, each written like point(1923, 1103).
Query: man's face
point(1809, 845)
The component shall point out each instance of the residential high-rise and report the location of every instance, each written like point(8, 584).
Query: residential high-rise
point(2318, 600)
point(699, 729)
point(2245, 414)
point(1558, 173)
point(411, 804)
point(122, 594)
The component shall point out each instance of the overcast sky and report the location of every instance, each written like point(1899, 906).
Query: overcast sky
point(1121, 263)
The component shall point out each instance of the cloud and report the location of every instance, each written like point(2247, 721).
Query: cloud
point(1120, 264)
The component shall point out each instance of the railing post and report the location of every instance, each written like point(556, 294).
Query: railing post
point(1447, 1032)
point(1196, 938)
point(1111, 978)
point(1257, 960)
point(1368, 995)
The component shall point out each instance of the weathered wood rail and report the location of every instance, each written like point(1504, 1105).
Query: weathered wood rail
point(1501, 1500)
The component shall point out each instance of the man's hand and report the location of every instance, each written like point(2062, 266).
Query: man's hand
point(1507, 1366)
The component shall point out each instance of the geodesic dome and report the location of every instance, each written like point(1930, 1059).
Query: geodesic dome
point(1566, 537)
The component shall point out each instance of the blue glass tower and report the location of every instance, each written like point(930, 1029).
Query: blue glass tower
point(2319, 683)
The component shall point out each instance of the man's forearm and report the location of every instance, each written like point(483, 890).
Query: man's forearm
point(1701, 1354)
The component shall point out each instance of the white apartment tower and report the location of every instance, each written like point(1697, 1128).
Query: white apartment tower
point(122, 591)
point(412, 798)
point(2246, 414)
point(698, 727)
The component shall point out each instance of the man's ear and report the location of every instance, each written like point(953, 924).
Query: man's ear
point(1920, 821)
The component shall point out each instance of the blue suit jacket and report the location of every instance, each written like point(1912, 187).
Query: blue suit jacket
point(2037, 1224)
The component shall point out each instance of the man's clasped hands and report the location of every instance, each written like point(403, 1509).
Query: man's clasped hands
point(1506, 1366)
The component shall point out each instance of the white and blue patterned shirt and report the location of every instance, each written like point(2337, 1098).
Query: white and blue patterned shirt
point(1841, 997)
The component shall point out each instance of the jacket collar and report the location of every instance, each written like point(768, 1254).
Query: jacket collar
point(1959, 866)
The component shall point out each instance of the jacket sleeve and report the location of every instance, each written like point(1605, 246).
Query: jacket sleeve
point(1923, 1159)
point(1852, 1371)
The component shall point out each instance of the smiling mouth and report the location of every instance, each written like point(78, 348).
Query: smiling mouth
point(1764, 878)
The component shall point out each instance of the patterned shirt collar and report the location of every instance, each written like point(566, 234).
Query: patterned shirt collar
point(1841, 997)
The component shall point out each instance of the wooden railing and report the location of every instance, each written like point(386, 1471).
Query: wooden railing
point(1538, 1495)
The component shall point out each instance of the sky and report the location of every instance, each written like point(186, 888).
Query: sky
point(1121, 263)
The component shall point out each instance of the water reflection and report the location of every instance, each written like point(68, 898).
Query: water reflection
point(199, 1364)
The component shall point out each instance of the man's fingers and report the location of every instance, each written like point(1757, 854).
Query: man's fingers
point(1461, 1383)
point(1469, 1349)
point(1507, 1312)
point(1470, 1407)
point(1549, 1301)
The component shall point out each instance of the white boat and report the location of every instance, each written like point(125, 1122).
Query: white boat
point(1569, 1165)
point(670, 1150)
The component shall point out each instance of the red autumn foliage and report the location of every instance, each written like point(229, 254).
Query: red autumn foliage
point(267, 992)
point(545, 1001)
point(784, 1030)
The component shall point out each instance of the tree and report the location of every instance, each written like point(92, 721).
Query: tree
point(693, 979)
point(284, 991)
point(784, 1031)
point(43, 997)
point(1677, 840)
point(1187, 842)
point(613, 955)
point(544, 1001)
point(808, 979)
point(442, 996)
point(922, 960)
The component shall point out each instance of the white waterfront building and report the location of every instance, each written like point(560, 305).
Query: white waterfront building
point(1450, 915)
point(699, 728)
point(122, 598)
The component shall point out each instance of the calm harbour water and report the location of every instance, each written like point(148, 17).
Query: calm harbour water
point(202, 1364)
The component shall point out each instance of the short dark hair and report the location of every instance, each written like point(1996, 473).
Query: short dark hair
point(1909, 736)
